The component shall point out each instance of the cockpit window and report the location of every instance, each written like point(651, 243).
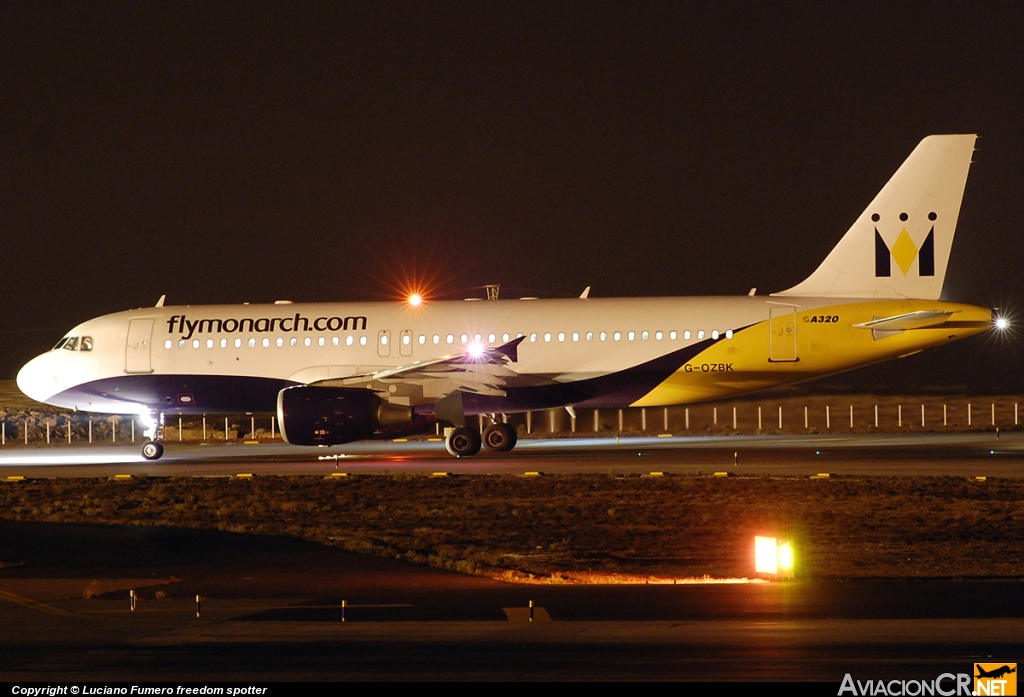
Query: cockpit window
point(74, 343)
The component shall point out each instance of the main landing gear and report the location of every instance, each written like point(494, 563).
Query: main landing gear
point(466, 442)
point(153, 449)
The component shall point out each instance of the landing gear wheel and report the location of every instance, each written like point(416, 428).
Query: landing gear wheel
point(462, 442)
point(152, 450)
point(500, 438)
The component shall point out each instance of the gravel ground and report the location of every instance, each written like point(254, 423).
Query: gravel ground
point(583, 526)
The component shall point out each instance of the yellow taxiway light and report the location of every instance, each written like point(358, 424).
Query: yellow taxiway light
point(786, 557)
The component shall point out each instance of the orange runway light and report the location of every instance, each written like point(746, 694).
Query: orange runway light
point(766, 555)
point(772, 556)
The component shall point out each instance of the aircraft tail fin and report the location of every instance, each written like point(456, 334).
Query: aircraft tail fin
point(899, 246)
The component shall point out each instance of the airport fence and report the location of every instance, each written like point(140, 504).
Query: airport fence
point(816, 414)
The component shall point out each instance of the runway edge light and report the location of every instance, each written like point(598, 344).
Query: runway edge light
point(773, 557)
point(766, 556)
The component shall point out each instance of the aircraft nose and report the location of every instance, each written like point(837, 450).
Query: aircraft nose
point(37, 379)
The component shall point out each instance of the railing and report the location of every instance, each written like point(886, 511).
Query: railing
point(851, 414)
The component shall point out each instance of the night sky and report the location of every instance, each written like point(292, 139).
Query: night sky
point(248, 152)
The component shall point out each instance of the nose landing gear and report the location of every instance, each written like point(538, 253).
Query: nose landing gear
point(153, 449)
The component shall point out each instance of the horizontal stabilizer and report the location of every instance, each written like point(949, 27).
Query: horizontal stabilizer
point(922, 319)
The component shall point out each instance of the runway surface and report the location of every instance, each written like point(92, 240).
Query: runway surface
point(921, 454)
point(272, 610)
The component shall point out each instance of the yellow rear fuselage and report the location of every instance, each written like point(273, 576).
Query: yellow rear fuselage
point(803, 340)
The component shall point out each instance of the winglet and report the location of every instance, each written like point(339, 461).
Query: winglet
point(510, 350)
point(585, 294)
point(160, 302)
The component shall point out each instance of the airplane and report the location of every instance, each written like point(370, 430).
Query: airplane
point(341, 372)
point(995, 673)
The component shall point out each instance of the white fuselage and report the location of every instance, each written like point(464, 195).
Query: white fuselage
point(217, 347)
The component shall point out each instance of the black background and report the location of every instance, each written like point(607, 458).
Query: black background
point(247, 152)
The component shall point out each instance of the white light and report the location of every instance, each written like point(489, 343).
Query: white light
point(476, 349)
point(1002, 323)
point(415, 299)
point(766, 560)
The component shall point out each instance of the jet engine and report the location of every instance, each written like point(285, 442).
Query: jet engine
point(311, 415)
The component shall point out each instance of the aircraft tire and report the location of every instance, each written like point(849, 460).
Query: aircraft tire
point(500, 438)
point(152, 450)
point(463, 442)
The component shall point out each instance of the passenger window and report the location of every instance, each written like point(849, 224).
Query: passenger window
point(700, 334)
point(547, 336)
point(167, 344)
point(728, 333)
point(182, 343)
point(617, 336)
point(604, 336)
point(223, 343)
point(686, 335)
point(533, 338)
point(362, 341)
point(209, 343)
point(561, 336)
point(294, 341)
point(464, 339)
point(195, 343)
point(348, 341)
point(450, 339)
point(672, 335)
point(238, 343)
point(505, 337)
point(590, 336)
point(491, 338)
point(631, 335)
point(657, 336)
point(436, 339)
point(575, 336)
point(308, 341)
point(423, 339)
point(714, 333)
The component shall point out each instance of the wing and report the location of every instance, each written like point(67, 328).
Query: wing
point(480, 369)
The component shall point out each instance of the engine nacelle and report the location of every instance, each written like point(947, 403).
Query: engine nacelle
point(312, 415)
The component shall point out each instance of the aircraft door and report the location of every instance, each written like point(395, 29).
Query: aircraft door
point(782, 334)
point(137, 358)
point(384, 343)
point(405, 342)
